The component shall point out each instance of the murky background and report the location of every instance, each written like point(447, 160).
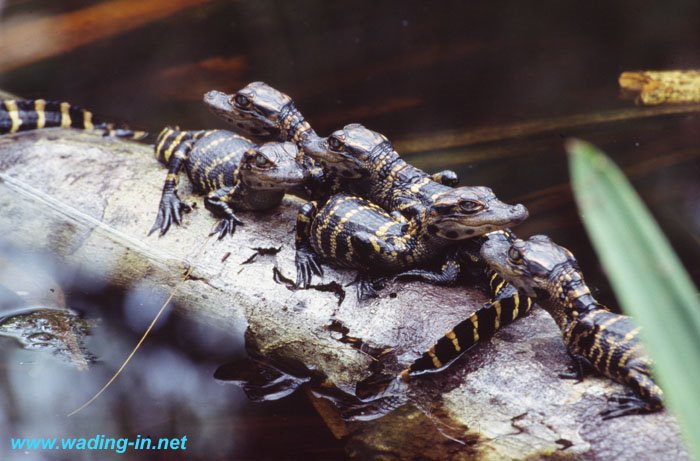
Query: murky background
point(489, 89)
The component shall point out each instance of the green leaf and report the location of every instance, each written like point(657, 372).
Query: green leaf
point(647, 276)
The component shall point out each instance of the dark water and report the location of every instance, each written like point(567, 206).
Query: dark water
point(168, 390)
point(416, 71)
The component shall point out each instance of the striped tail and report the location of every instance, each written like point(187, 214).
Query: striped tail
point(169, 138)
point(24, 115)
point(507, 306)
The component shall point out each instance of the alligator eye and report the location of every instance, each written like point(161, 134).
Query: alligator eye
point(515, 255)
point(261, 161)
point(241, 100)
point(471, 206)
point(334, 143)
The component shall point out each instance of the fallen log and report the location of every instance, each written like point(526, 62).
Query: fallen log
point(91, 200)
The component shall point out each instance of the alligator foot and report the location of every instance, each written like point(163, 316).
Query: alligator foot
point(449, 274)
point(226, 226)
point(367, 286)
point(307, 263)
point(169, 211)
point(626, 404)
point(580, 368)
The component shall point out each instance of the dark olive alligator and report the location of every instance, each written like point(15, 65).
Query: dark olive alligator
point(259, 110)
point(507, 304)
point(353, 232)
point(595, 338)
point(24, 115)
point(232, 171)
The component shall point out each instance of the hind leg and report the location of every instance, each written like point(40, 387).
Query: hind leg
point(647, 396)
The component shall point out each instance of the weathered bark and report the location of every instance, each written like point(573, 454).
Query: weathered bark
point(91, 201)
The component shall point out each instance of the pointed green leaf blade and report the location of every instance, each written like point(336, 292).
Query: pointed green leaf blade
point(647, 276)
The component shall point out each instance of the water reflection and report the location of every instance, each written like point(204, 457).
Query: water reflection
point(168, 390)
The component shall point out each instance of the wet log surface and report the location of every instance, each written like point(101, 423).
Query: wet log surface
point(91, 200)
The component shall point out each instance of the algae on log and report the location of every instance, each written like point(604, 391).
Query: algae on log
point(90, 201)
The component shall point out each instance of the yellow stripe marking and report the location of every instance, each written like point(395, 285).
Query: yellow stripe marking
point(627, 354)
point(631, 335)
point(436, 361)
point(516, 309)
point(475, 324)
point(87, 120)
point(384, 228)
point(40, 109)
point(499, 287)
point(176, 142)
point(375, 244)
point(417, 186)
point(348, 242)
point(497, 307)
point(163, 136)
point(326, 222)
point(339, 228)
point(65, 116)
point(13, 112)
point(596, 347)
point(209, 182)
point(455, 342)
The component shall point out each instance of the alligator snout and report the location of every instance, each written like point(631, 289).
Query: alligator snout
point(519, 213)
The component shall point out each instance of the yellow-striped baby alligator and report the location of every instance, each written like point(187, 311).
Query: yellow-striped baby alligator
point(353, 232)
point(260, 110)
point(232, 171)
point(378, 173)
point(595, 338)
point(24, 115)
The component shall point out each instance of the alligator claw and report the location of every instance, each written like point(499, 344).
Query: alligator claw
point(307, 264)
point(226, 226)
point(367, 287)
point(169, 211)
point(625, 405)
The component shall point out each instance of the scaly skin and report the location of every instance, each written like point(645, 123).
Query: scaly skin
point(506, 305)
point(594, 337)
point(375, 171)
point(24, 115)
point(352, 232)
point(232, 171)
point(259, 110)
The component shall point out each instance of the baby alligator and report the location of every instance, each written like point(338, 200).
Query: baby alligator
point(353, 232)
point(506, 306)
point(24, 115)
point(232, 171)
point(378, 173)
point(261, 111)
point(595, 337)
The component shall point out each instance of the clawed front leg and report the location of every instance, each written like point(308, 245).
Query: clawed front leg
point(218, 203)
point(171, 207)
point(306, 260)
point(449, 273)
point(170, 210)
